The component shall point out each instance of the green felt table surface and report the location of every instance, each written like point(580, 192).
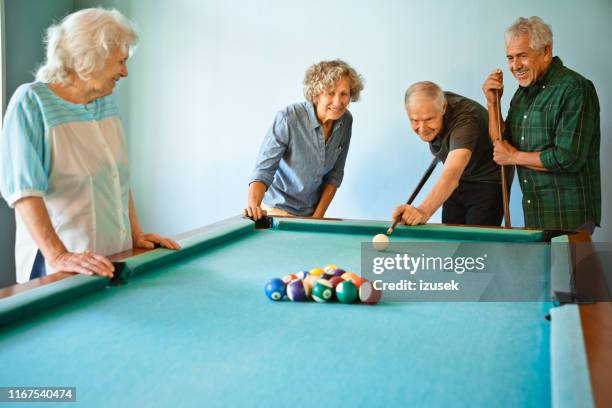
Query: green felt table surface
point(194, 328)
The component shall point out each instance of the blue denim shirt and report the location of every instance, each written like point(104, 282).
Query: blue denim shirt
point(295, 162)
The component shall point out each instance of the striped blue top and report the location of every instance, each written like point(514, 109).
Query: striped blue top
point(24, 147)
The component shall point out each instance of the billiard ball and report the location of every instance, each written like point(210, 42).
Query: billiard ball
point(368, 294)
point(316, 271)
point(275, 289)
point(330, 268)
point(338, 272)
point(296, 291)
point(302, 275)
point(346, 292)
point(357, 280)
point(322, 291)
point(330, 273)
point(349, 275)
point(289, 278)
point(309, 283)
point(335, 281)
point(380, 242)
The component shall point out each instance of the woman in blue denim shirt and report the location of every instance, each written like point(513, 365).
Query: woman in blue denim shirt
point(301, 161)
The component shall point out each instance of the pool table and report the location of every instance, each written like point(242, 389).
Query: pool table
point(194, 328)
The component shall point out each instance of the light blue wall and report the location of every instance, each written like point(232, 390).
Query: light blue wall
point(209, 76)
point(25, 24)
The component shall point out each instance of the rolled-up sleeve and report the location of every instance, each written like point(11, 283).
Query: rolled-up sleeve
point(23, 150)
point(575, 132)
point(272, 150)
point(336, 174)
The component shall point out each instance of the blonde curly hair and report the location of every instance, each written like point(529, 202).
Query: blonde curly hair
point(323, 75)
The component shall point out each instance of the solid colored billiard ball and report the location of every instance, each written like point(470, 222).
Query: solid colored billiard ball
point(316, 271)
point(338, 272)
point(296, 291)
point(346, 292)
point(357, 280)
point(368, 294)
point(275, 289)
point(380, 242)
point(322, 291)
point(349, 275)
point(335, 281)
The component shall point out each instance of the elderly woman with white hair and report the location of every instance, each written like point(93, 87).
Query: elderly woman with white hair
point(64, 156)
point(301, 161)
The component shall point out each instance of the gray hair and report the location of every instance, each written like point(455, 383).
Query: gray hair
point(82, 42)
point(540, 34)
point(323, 75)
point(427, 89)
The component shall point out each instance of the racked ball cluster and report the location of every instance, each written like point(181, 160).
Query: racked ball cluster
point(323, 285)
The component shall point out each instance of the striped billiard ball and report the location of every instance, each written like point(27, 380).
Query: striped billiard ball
point(322, 291)
point(296, 291)
point(368, 294)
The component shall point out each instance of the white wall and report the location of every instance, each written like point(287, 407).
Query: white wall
point(209, 76)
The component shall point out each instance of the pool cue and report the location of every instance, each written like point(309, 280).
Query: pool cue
point(416, 191)
point(504, 185)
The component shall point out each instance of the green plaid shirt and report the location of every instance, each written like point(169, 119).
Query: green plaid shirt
point(558, 116)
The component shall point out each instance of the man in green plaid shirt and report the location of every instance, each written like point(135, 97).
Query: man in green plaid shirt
point(551, 132)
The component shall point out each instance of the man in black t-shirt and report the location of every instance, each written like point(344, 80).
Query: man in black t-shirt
point(456, 128)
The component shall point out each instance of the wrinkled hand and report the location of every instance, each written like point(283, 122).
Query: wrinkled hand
point(410, 215)
point(493, 85)
point(86, 263)
point(254, 212)
point(149, 241)
point(504, 152)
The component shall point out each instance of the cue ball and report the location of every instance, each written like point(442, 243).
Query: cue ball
point(380, 242)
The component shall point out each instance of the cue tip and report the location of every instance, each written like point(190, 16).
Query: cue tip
point(392, 228)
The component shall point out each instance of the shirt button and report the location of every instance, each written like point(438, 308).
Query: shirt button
point(123, 231)
point(525, 117)
point(524, 181)
point(522, 137)
point(528, 201)
point(543, 86)
point(114, 177)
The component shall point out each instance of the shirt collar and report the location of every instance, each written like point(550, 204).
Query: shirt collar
point(314, 122)
point(552, 70)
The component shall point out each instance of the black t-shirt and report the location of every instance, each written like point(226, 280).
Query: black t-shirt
point(466, 125)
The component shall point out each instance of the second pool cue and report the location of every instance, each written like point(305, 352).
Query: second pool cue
point(504, 184)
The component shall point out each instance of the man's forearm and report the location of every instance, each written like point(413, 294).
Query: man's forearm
point(34, 213)
point(441, 191)
point(530, 160)
point(495, 118)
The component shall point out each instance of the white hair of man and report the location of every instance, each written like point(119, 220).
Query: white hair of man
point(428, 90)
point(540, 34)
point(82, 42)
